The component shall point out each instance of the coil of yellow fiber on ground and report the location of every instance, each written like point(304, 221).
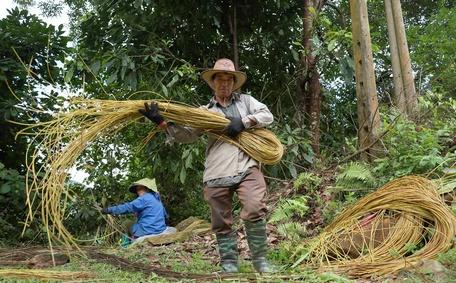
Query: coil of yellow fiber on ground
point(397, 226)
point(63, 139)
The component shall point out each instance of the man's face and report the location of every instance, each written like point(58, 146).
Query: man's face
point(223, 84)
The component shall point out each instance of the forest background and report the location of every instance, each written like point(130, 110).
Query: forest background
point(116, 49)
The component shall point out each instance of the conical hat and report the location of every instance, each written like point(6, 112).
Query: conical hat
point(224, 66)
point(146, 182)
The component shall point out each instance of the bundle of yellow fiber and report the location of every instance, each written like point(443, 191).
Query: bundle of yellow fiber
point(63, 139)
point(395, 227)
point(261, 144)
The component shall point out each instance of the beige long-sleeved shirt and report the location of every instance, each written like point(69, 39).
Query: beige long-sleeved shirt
point(224, 159)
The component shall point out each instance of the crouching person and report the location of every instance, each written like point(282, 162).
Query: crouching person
point(148, 208)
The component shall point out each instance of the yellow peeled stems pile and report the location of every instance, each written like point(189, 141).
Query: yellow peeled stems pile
point(397, 226)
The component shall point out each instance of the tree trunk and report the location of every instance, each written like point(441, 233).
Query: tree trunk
point(366, 92)
point(235, 39)
point(404, 56)
point(230, 10)
point(399, 92)
point(308, 82)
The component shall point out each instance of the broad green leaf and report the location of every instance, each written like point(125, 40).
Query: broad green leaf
point(69, 75)
point(165, 90)
point(95, 67)
point(295, 55)
point(292, 170)
point(125, 60)
point(131, 80)
point(308, 157)
point(5, 188)
point(173, 81)
point(183, 175)
point(448, 187)
point(332, 45)
point(112, 78)
point(189, 161)
point(122, 72)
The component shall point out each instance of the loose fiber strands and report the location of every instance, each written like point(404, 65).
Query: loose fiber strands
point(44, 274)
point(63, 139)
point(418, 218)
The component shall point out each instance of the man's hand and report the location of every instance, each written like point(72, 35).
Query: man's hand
point(104, 211)
point(152, 113)
point(234, 128)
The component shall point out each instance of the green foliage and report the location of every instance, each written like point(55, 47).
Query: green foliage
point(448, 259)
point(292, 230)
point(308, 180)
point(354, 176)
point(282, 252)
point(107, 272)
point(289, 208)
point(297, 151)
point(40, 47)
point(439, 35)
point(410, 248)
point(12, 192)
point(412, 149)
point(181, 187)
point(197, 264)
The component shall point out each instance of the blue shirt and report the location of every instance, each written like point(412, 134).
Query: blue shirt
point(150, 212)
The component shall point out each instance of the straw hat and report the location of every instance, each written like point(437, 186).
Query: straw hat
point(224, 66)
point(146, 182)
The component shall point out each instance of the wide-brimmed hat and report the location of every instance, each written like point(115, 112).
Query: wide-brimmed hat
point(224, 66)
point(146, 182)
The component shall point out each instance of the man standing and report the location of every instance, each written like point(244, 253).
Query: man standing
point(228, 169)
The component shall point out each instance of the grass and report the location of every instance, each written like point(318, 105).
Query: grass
point(107, 272)
point(448, 259)
point(103, 273)
point(176, 258)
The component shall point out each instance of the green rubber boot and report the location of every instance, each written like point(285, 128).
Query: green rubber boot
point(257, 239)
point(228, 251)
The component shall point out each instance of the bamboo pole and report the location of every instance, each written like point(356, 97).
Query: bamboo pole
point(366, 91)
point(406, 66)
point(399, 92)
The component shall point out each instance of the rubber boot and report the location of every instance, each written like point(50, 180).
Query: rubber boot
point(228, 251)
point(257, 239)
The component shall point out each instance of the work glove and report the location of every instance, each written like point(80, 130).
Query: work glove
point(105, 211)
point(151, 112)
point(234, 128)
